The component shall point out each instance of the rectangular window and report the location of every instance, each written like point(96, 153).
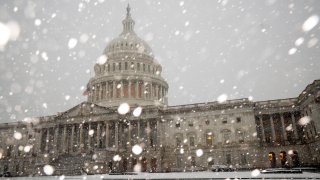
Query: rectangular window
point(133, 89)
point(226, 137)
point(228, 158)
point(138, 66)
point(191, 141)
point(193, 161)
point(209, 138)
point(118, 90)
point(125, 89)
point(140, 89)
point(179, 161)
point(113, 67)
point(243, 158)
point(144, 67)
point(241, 136)
point(126, 66)
point(132, 66)
point(238, 119)
point(178, 141)
point(224, 122)
point(119, 65)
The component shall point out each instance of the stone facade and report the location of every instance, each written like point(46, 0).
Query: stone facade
point(93, 137)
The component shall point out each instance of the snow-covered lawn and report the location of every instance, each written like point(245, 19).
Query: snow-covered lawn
point(182, 175)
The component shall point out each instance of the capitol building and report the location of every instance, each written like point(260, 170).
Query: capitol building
point(127, 125)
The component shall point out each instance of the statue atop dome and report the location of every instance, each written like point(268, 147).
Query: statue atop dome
point(128, 22)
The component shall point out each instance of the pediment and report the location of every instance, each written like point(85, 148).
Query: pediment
point(84, 109)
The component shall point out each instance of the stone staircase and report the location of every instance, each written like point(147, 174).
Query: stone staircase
point(69, 165)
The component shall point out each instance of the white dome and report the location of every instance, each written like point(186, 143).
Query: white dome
point(128, 41)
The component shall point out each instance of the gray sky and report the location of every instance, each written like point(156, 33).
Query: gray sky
point(206, 48)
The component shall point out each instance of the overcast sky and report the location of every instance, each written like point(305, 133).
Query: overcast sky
point(266, 49)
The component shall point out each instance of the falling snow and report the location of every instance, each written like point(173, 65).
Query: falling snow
point(222, 61)
point(124, 108)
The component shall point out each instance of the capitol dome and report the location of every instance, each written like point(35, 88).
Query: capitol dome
point(129, 73)
point(128, 41)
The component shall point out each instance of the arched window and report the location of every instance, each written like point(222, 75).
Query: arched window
point(240, 135)
point(226, 135)
point(192, 139)
point(178, 138)
point(209, 138)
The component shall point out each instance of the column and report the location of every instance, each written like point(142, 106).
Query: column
point(272, 129)
point(47, 139)
point(92, 93)
point(114, 89)
point(98, 134)
point(129, 134)
point(40, 137)
point(160, 95)
point(121, 89)
point(100, 91)
point(262, 129)
point(56, 134)
point(284, 133)
point(129, 88)
point(107, 134)
point(89, 137)
point(64, 137)
point(138, 124)
point(294, 126)
point(148, 132)
point(72, 139)
point(81, 137)
point(143, 90)
point(158, 136)
point(151, 91)
point(107, 90)
point(95, 93)
point(116, 135)
point(157, 92)
point(137, 88)
point(121, 135)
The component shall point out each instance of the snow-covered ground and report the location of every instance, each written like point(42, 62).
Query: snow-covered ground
point(184, 175)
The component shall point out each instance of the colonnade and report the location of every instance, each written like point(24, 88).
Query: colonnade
point(127, 89)
point(73, 138)
point(276, 127)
